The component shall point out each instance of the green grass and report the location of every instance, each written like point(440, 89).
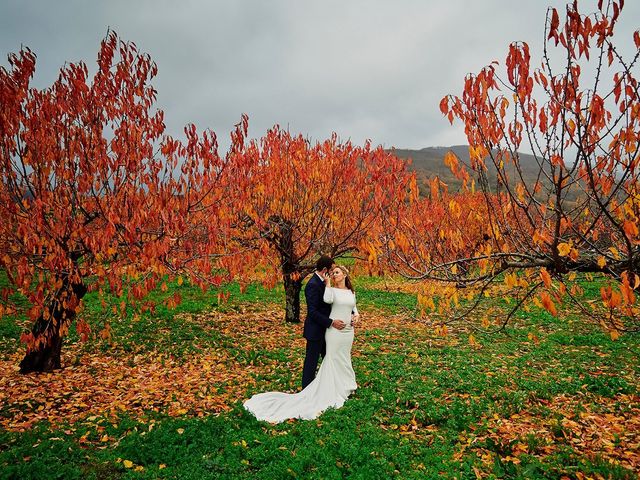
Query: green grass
point(167, 329)
point(421, 403)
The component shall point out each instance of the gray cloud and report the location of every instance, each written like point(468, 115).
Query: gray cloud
point(364, 69)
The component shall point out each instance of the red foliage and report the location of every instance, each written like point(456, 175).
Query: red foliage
point(300, 200)
point(581, 122)
point(91, 188)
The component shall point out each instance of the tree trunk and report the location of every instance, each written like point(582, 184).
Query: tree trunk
point(292, 298)
point(282, 239)
point(45, 357)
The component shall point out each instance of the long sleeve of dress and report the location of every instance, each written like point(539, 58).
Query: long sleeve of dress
point(328, 295)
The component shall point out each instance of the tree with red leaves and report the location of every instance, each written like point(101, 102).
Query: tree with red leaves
point(94, 195)
point(581, 120)
point(305, 199)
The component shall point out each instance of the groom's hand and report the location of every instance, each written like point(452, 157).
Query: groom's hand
point(338, 324)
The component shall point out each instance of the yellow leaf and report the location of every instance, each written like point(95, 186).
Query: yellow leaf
point(161, 466)
point(510, 280)
point(451, 161)
point(128, 464)
point(139, 468)
point(180, 431)
point(564, 249)
point(602, 262)
point(180, 280)
point(614, 334)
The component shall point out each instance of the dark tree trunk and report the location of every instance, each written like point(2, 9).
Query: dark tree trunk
point(282, 238)
point(292, 299)
point(45, 357)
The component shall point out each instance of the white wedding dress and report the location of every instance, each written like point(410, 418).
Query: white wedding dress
point(335, 380)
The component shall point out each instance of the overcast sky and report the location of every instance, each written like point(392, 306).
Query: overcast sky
point(363, 69)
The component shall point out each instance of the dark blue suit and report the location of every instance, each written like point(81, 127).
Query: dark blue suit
point(315, 326)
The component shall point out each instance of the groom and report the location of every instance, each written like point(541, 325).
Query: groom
point(317, 320)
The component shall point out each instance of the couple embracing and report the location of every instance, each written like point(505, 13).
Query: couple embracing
point(328, 328)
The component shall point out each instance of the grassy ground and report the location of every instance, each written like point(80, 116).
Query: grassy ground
point(162, 398)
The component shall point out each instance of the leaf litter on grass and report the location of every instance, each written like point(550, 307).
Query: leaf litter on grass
point(110, 384)
point(255, 346)
point(595, 426)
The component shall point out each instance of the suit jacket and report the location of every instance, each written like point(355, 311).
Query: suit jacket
point(317, 320)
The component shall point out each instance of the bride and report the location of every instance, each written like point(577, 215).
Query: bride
point(336, 379)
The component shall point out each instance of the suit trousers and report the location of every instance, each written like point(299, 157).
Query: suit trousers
point(315, 349)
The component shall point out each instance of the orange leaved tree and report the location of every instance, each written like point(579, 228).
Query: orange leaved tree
point(578, 113)
point(93, 195)
point(306, 199)
point(437, 234)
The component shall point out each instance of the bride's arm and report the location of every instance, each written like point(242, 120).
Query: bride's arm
point(328, 295)
point(355, 316)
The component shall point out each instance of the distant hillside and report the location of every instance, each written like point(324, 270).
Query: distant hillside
point(429, 162)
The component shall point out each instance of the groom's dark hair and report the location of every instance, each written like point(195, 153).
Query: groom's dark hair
point(324, 262)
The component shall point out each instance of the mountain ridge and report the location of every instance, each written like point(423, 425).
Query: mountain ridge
point(428, 162)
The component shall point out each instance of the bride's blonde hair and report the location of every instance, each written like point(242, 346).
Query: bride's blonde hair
point(347, 278)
